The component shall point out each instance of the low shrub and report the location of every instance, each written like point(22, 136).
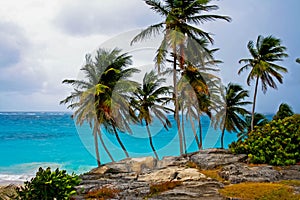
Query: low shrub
point(276, 143)
point(48, 185)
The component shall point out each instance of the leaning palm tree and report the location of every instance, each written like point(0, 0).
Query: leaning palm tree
point(82, 99)
point(179, 15)
point(113, 105)
point(265, 52)
point(229, 118)
point(150, 100)
point(259, 120)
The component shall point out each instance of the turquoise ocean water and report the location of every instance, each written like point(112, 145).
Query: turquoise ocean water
point(29, 140)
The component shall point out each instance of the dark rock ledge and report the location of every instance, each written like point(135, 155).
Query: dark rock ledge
point(132, 177)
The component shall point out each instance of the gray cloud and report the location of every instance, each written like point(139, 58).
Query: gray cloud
point(85, 18)
point(12, 41)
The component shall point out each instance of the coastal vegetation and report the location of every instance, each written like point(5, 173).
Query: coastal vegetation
point(275, 143)
point(49, 184)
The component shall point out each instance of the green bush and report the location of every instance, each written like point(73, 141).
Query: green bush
point(48, 185)
point(276, 143)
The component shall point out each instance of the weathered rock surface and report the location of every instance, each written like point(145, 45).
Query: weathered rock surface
point(291, 172)
point(133, 177)
point(212, 158)
point(8, 192)
point(240, 172)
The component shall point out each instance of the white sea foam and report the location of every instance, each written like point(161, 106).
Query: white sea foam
point(6, 179)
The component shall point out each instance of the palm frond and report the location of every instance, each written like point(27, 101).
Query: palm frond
point(151, 31)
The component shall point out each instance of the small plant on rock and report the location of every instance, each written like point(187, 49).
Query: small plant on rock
point(102, 193)
point(164, 186)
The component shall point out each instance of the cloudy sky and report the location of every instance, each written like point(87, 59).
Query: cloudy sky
point(44, 42)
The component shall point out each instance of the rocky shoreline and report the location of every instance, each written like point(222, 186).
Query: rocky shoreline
point(198, 175)
point(133, 177)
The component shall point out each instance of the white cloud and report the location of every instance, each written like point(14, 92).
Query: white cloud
point(85, 18)
point(44, 42)
point(12, 43)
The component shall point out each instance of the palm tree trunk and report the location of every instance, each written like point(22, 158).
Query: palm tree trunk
point(200, 131)
point(254, 102)
point(176, 102)
point(120, 142)
point(96, 146)
point(182, 57)
point(183, 132)
point(104, 146)
point(195, 134)
point(150, 140)
point(222, 136)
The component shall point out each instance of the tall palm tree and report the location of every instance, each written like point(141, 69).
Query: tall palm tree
point(83, 96)
point(265, 52)
point(179, 15)
point(150, 100)
point(113, 104)
point(259, 120)
point(229, 118)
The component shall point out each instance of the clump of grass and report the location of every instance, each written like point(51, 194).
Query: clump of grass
point(213, 173)
point(191, 164)
point(102, 193)
point(164, 186)
point(259, 191)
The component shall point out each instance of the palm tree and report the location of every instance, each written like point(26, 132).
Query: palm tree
point(113, 104)
point(229, 117)
point(284, 111)
point(176, 28)
point(259, 120)
point(266, 51)
point(83, 97)
point(188, 105)
point(150, 100)
point(192, 99)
